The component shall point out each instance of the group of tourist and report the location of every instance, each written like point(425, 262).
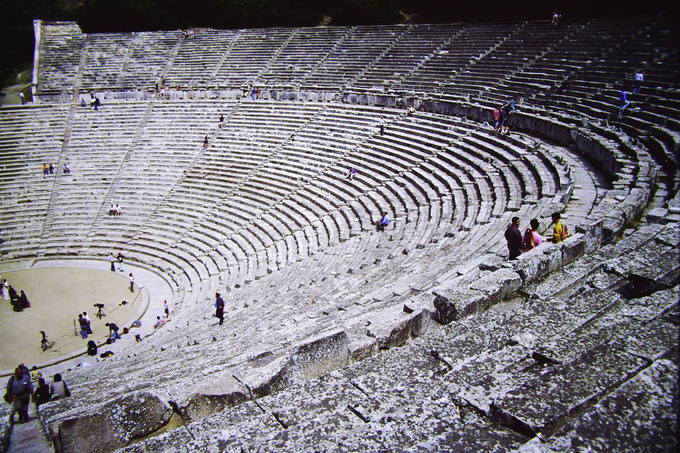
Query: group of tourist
point(518, 242)
point(501, 117)
point(84, 323)
point(114, 210)
point(20, 392)
point(120, 259)
point(48, 169)
point(166, 309)
point(95, 103)
point(638, 78)
point(19, 301)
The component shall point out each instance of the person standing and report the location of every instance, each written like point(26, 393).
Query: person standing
point(112, 260)
point(132, 282)
point(514, 239)
point(87, 320)
point(531, 238)
point(20, 391)
point(120, 258)
point(5, 290)
point(560, 232)
point(83, 327)
point(219, 307)
point(166, 308)
point(639, 78)
point(496, 118)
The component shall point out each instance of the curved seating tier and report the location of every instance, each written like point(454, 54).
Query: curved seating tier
point(265, 214)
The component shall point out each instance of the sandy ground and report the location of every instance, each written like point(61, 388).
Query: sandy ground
point(57, 296)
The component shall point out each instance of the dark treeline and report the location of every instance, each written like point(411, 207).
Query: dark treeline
point(93, 16)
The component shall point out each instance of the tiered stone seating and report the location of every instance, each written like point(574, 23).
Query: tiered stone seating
point(301, 55)
point(199, 58)
point(104, 55)
point(61, 45)
point(147, 60)
point(249, 55)
point(265, 216)
point(351, 55)
point(476, 387)
point(411, 51)
point(466, 47)
point(29, 138)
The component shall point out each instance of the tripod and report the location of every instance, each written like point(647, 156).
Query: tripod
point(100, 312)
point(45, 343)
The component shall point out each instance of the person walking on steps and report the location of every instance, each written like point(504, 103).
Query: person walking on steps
point(219, 307)
point(20, 392)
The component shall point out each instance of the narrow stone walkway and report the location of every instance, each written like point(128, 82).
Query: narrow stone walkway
point(28, 437)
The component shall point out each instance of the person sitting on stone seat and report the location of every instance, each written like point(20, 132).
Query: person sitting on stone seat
point(42, 393)
point(382, 223)
point(59, 389)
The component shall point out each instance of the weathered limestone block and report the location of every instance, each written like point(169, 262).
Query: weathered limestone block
point(5, 414)
point(532, 266)
point(453, 304)
point(115, 423)
point(210, 396)
point(319, 355)
point(498, 285)
point(314, 402)
point(573, 248)
point(669, 235)
point(612, 225)
point(653, 341)
point(394, 327)
point(175, 441)
point(541, 405)
point(640, 415)
point(361, 346)
point(592, 235)
point(306, 360)
point(265, 375)
point(553, 252)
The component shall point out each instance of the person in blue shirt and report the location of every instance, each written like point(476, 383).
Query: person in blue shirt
point(382, 223)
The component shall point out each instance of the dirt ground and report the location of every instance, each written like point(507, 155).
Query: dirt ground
point(57, 296)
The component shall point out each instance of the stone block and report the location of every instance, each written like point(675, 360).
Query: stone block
point(211, 396)
point(116, 423)
point(542, 404)
point(498, 285)
point(573, 248)
point(319, 355)
point(394, 327)
point(532, 267)
point(639, 415)
point(362, 347)
point(453, 304)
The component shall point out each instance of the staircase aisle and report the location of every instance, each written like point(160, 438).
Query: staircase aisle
point(29, 437)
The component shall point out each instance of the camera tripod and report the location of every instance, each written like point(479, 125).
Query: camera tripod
point(100, 311)
point(45, 343)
